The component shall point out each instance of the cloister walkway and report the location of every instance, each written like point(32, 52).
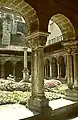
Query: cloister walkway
point(19, 112)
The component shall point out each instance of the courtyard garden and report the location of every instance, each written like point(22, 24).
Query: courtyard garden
point(19, 92)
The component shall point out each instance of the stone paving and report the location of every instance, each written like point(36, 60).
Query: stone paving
point(14, 112)
point(17, 111)
point(55, 104)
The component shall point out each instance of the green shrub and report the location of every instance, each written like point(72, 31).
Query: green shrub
point(60, 89)
point(14, 97)
point(7, 85)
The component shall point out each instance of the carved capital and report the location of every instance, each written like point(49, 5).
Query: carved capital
point(25, 48)
point(68, 49)
point(71, 46)
point(37, 39)
point(75, 49)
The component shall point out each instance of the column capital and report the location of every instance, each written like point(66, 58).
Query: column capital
point(68, 49)
point(75, 49)
point(37, 39)
point(25, 48)
point(71, 46)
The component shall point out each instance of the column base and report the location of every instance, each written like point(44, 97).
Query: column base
point(25, 75)
point(71, 94)
point(39, 105)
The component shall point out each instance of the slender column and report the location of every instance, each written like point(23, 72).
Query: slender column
point(75, 57)
point(25, 57)
point(45, 71)
point(69, 71)
point(25, 71)
point(58, 71)
point(50, 70)
point(2, 70)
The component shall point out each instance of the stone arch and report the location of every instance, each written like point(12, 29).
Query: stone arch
point(65, 25)
point(8, 68)
point(25, 10)
point(62, 69)
point(54, 67)
point(47, 68)
point(19, 71)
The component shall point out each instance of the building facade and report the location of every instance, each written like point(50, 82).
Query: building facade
point(37, 14)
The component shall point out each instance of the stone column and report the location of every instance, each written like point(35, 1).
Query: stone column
point(69, 71)
point(40, 72)
point(34, 72)
point(2, 69)
point(75, 59)
point(69, 66)
point(58, 71)
point(50, 69)
point(44, 71)
point(38, 100)
point(25, 70)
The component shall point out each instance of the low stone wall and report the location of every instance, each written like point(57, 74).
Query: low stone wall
point(64, 113)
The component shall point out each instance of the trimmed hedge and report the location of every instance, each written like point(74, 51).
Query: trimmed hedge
point(14, 97)
point(8, 85)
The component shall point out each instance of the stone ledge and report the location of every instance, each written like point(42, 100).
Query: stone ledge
point(63, 113)
point(71, 94)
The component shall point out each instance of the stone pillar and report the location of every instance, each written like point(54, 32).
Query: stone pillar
point(75, 59)
point(2, 69)
point(41, 71)
point(38, 100)
point(72, 74)
point(50, 69)
point(25, 70)
point(34, 72)
point(69, 65)
point(58, 71)
point(69, 71)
